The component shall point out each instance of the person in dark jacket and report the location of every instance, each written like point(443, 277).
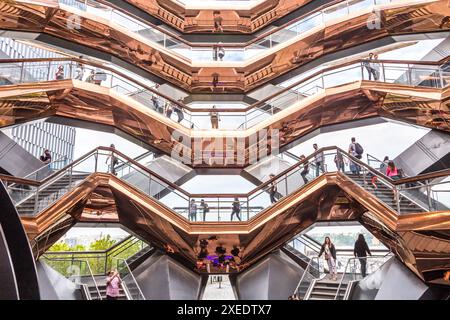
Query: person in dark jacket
point(361, 250)
point(330, 255)
point(236, 209)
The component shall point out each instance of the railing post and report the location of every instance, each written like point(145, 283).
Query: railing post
point(150, 185)
point(96, 160)
point(218, 209)
point(430, 204)
point(286, 184)
point(36, 198)
point(248, 209)
point(21, 72)
point(441, 77)
point(49, 69)
point(397, 198)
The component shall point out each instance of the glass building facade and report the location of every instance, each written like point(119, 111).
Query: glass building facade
point(38, 136)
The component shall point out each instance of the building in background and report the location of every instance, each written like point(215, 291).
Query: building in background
point(38, 136)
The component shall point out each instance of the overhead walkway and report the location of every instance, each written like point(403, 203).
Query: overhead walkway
point(108, 37)
point(400, 223)
point(404, 91)
point(195, 18)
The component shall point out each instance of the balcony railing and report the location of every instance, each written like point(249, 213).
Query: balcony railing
point(404, 196)
point(209, 52)
point(411, 73)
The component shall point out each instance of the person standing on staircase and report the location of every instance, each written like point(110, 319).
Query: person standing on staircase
point(356, 150)
point(319, 159)
point(113, 161)
point(272, 189)
point(360, 251)
point(305, 170)
point(330, 256)
point(113, 283)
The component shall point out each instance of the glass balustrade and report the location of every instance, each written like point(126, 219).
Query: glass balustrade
point(403, 198)
point(424, 75)
point(76, 270)
point(304, 25)
point(100, 262)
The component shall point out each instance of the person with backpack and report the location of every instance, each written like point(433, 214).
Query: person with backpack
point(356, 150)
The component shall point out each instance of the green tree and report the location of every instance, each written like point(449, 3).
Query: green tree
point(103, 243)
point(78, 247)
point(59, 246)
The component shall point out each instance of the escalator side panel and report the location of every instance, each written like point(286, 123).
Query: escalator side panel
point(19, 248)
point(429, 153)
point(273, 278)
point(7, 277)
point(54, 286)
point(160, 278)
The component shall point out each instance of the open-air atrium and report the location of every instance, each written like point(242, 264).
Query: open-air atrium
point(224, 150)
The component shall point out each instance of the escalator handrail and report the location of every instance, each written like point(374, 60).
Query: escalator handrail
point(132, 276)
point(346, 266)
point(308, 267)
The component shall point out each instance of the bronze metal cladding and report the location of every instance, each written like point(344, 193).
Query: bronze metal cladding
point(247, 19)
point(420, 240)
point(189, 19)
point(81, 101)
point(104, 35)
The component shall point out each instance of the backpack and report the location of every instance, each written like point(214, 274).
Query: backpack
point(358, 149)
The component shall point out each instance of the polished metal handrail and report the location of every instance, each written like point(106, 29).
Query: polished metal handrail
point(389, 182)
point(307, 271)
point(254, 106)
point(349, 261)
point(141, 295)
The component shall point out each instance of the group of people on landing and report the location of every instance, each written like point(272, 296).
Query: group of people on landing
point(204, 207)
point(360, 251)
point(355, 149)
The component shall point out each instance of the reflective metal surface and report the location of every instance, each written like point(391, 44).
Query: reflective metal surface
point(331, 197)
point(90, 103)
point(89, 30)
point(247, 19)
